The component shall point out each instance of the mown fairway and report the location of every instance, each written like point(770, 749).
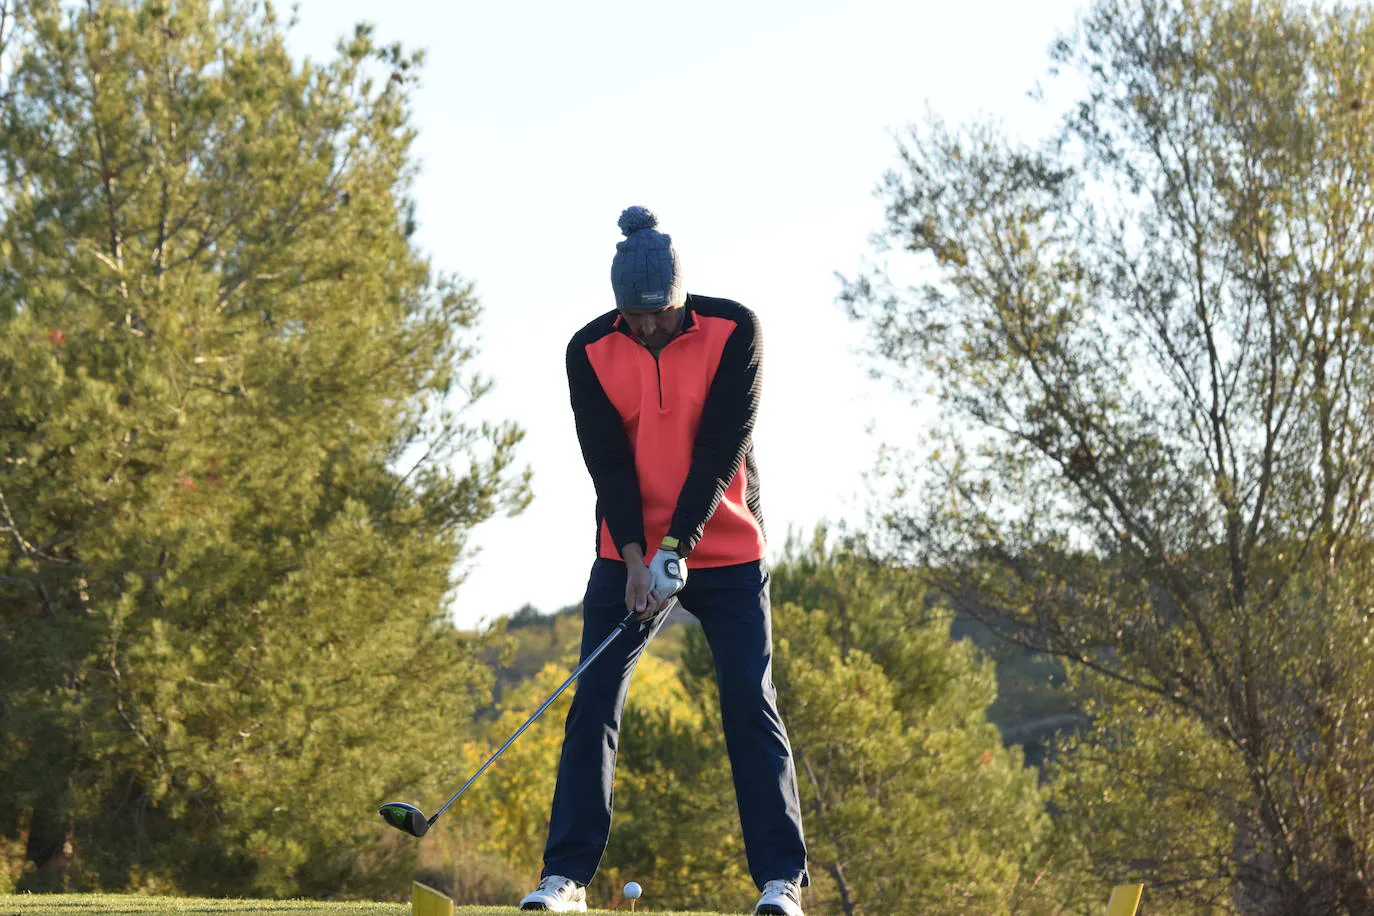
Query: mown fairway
point(138, 905)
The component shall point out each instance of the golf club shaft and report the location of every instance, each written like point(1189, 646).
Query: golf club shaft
point(591, 657)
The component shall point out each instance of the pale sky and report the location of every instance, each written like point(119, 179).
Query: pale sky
point(757, 132)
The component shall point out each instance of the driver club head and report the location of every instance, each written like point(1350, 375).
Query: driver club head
point(407, 818)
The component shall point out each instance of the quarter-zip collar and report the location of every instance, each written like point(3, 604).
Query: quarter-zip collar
point(689, 325)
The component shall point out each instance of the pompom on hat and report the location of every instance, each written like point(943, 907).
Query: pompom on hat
point(645, 273)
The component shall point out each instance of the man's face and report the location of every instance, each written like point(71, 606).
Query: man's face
point(654, 329)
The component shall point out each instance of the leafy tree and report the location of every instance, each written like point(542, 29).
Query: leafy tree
point(228, 509)
point(1151, 339)
point(1139, 794)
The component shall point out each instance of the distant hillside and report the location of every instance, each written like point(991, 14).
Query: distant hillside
point(1033, 701)
point(532, 639)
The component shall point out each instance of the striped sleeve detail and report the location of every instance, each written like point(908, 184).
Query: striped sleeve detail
point(605, 446)
point(726, 430)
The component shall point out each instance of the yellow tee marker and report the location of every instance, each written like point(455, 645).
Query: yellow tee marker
point(426, 901)
point(1125, 900)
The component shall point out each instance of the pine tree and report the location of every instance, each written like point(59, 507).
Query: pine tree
point(911, 801)
point(228, 496)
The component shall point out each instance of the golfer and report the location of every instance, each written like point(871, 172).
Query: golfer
point(665, 389)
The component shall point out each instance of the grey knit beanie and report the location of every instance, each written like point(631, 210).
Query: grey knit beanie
point(645, 273)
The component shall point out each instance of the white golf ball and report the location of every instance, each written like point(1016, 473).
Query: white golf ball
point(633, 890)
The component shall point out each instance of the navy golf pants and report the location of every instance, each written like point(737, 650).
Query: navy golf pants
point(732, 604)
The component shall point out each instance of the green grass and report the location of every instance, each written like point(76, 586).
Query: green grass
point(139, 905)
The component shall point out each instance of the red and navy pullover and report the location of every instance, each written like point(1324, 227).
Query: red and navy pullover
point(669, 440)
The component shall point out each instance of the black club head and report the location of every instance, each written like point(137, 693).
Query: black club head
point(406, 818)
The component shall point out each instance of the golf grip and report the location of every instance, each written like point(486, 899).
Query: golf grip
point(591, 657)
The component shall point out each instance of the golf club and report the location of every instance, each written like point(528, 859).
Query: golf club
point(412, 820)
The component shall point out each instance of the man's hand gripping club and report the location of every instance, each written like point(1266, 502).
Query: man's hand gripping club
point(649, 588)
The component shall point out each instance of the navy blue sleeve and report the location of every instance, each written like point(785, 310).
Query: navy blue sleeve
point(606, 450)
point(726, 430)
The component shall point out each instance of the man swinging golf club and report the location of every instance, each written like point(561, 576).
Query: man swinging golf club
point(665, 389)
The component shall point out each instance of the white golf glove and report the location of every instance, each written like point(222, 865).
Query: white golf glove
point(669, 572)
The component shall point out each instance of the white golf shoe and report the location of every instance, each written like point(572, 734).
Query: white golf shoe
point(780, 898)
point(557, 894)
